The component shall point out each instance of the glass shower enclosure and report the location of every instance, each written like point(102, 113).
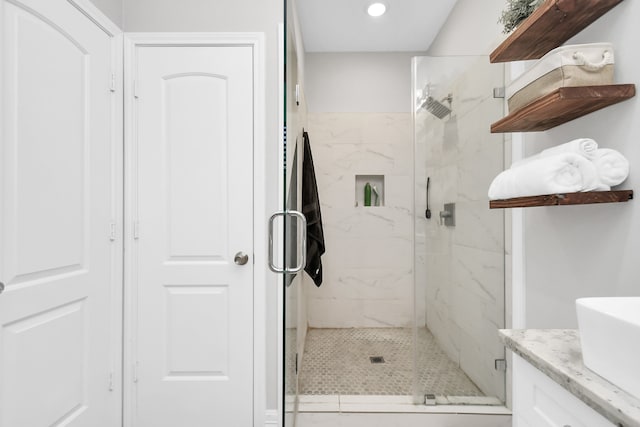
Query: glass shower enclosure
point(459, 243)
point(458, 254)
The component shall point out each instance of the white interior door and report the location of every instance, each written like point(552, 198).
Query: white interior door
point(59, 199)
point(193, 197)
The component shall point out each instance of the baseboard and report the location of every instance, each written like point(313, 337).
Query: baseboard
point(271, 418)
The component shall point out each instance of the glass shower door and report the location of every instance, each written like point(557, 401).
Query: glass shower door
point(459, 241)
point(292, 231)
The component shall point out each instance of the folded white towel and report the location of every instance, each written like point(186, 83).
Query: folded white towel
point(612, 167)
point(586, 147)
point(557, 173)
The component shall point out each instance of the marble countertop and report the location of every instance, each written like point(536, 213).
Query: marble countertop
point(557, 354)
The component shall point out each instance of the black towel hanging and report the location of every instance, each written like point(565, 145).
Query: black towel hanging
point(311, 210)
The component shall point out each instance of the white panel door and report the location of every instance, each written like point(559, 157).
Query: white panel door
point(193, 188)
point(59, 357)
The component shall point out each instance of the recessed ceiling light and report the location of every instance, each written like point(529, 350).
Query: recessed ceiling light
point(376, 9)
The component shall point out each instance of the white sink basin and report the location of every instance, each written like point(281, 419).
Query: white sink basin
point(610, 337)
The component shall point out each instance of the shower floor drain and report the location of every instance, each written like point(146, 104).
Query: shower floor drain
point(376, 359)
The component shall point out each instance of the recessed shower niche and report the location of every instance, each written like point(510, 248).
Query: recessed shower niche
point(376, 190)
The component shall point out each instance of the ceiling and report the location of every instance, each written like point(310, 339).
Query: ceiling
point(345, 26)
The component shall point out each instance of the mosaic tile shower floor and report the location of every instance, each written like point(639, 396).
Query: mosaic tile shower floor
point(336, 361)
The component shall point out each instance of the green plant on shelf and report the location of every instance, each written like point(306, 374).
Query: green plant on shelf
point(516, 12)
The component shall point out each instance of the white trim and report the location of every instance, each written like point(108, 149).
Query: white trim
point(256, 41)
point(280, 277)
point(96, 16)
point(117, 150)
point(260, 241)
point(114, 32)
point(271, 418)
point(518, 264)
point(129, 212)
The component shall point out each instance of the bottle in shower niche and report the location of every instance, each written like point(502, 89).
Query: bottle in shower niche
point(367, 194)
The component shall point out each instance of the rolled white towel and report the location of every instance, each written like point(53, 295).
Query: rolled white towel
point(558, 173)
point(612, 167)
point(586, 147)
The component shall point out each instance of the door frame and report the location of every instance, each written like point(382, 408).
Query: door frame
point(260, 275)
point(117, 196)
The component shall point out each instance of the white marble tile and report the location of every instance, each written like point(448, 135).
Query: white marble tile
point(453, 416)
point(477, 169)
point(318, 407)
point(356, 158)
point(443, 188)
point(479, 272)
point(371, 252)
point(387, 127)
point(445, 331)
point(319, 403)
point(477, 355)
point(376, 399)
point(335, 313)
point(335, 127)
point(375, 283)
point(382, 221)
point(467, 311)
point(399, 193)
point(477, 86)
point(359, 313)
point(477, 226)
point(319, 398)
point(335, 190)
point(388, 314)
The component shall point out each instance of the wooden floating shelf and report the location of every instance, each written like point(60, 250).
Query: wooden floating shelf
point(563, 105)
point(548, 27)
point(585, 198)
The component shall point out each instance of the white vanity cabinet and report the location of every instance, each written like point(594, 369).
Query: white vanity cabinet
point(538, 401)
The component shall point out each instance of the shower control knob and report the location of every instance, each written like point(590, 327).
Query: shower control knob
point(241, 258)
point(1, 287)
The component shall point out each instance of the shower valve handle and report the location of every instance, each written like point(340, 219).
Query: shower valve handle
point(448, 215)
point(443, 215)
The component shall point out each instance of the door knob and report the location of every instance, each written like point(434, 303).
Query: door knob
point(1, 287)
point(241, 258)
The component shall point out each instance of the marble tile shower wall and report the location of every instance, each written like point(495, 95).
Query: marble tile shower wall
point(460, 270)
point(368, 278)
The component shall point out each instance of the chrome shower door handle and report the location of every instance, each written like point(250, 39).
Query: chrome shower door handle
point(303, 246)
point(1, 287)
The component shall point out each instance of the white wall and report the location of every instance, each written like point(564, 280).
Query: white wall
point(203, 15)
point(471, 29)
point(111, 8)
point(358, 82)
point(219, 16)
point(589, 250)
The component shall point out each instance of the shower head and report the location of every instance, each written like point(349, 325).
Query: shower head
point(436, 107)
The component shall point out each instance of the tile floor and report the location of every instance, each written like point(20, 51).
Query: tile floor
point(336, 361)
